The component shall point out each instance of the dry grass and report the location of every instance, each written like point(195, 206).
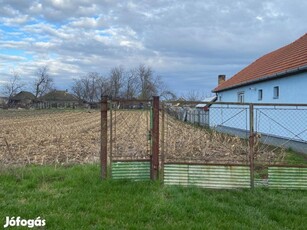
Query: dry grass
point(194, 144)
point(32, 137)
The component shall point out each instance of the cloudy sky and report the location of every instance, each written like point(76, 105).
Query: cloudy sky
point(186, 42)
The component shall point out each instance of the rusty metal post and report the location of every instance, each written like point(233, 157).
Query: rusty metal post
point(251, 143)
point(155, 140)
point(162, 141)
point(104, 137)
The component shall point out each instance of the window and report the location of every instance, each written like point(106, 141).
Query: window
point(241, 97)
point(260, 94)
point(220, 98)
point(276, 92)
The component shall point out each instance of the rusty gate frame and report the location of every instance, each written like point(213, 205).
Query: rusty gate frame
point(154, 158)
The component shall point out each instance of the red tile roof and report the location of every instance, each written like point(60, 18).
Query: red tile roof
point(289, 57)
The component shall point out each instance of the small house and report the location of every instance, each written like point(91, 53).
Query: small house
point(3, 101)
point(22, 99)
point(276, 85)
point(277, 77)
point(57, 99)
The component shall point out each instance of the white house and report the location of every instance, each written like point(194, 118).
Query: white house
point(277, 77)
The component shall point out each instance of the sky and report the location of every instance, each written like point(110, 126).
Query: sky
point(188, 43)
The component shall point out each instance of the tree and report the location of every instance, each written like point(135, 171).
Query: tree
point(13, 86)
point(194, 95)
point(43, 82)
point(136, 83)
point(168, 95)
point(148, 83)
point(90, 87)
point(116, 81)
point(130, 85)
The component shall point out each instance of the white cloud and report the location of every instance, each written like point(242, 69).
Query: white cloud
point(193, 40)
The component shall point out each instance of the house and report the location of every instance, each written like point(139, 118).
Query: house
point(3, 101)
point(277, 77)
point(22, 99)
point(276, 82)
point(57, 99)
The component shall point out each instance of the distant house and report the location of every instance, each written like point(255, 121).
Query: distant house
point(22, 99)
point(3, 101)
point(57, 99)
point(277, 77)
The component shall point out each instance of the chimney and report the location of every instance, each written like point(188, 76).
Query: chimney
point(221, 79)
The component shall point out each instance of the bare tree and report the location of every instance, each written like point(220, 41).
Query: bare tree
point(43, 82)
point(90, 87)
point(130, 85)
point(116, 81)
point(135, 83)
point(193, 95)
point(13, 86)
point(168, 95)
point(148, 83)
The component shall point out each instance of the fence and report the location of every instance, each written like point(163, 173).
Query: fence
point(130, 139)
point(222, 145)
point(235, 136)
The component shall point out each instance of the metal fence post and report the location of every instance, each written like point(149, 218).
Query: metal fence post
point(251, 143)
point(104, 137)
point(111, 138)
point(155, 140)
point(162, 141)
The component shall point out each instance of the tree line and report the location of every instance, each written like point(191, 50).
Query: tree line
point(136, 83)
point(121, 83)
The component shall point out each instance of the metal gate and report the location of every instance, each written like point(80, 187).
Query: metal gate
point(130, 134)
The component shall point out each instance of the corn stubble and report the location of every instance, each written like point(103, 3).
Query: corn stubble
point(74, 137)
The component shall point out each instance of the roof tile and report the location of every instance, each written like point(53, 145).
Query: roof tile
point(289, 57)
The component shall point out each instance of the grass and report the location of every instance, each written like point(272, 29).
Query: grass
point(75, 198)
point(293, 157)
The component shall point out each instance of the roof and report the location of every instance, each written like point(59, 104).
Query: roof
point(284, 61)
point(23, 95)
point(207, 99)
point(58, 95)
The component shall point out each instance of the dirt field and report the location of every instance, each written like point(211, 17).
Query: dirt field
point(65, 137)
point(39, 137)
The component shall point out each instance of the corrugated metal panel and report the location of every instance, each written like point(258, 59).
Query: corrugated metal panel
point(131, 170)
point(287, 177)
point(258, 182)
point(207, 176)
point(176, 174)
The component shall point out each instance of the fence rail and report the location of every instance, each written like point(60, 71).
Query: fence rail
point(220, 145)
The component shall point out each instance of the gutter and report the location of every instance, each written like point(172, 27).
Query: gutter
point(266, 78)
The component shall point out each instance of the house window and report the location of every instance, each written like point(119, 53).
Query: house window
point(220, 98)
point(276, 92)
point(241, 97)
point(260, 94)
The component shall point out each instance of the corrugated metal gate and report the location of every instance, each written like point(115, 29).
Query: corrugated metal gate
point(131, 139)
point(216, 155)
point(193, 153)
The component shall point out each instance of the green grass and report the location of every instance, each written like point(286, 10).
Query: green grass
point(293, 157)
point(75, 198)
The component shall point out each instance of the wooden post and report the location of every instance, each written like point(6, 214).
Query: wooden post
point(104, 136)
point(251, 143)
point(155, 140)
